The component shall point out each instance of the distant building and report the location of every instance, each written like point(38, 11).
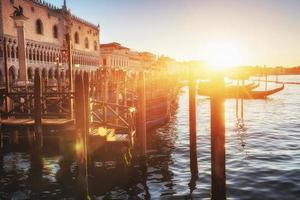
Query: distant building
point(45, 32)
point(148, 60)
point(171, 65)
point(135, 61)
point(114, 55)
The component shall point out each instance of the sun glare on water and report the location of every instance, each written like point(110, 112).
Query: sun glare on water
point(223, 55)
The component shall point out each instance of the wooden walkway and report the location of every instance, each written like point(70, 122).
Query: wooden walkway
point(30, 122)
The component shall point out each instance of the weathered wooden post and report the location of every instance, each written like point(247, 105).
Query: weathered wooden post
point(117, 90)
point(71, 81)
point(242, 101)
point(1, 160)
point(7, 86)
point(218, 139)
point(192, 120)
point(86, 81)
point(80, 113)
point(36, 146)
point(142, 137)
point(38, 107)
point(106, 97)
point(125, 92)
point(266, 78)
point(58, 80)
point(237, 99)
point(1, 141)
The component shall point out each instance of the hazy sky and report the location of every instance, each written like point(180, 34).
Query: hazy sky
point(263, 31)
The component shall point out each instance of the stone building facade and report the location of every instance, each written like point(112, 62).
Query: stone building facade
point(45, 35)
point(114, 55)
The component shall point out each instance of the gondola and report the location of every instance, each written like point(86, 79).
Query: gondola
point(244, 93)
point(206, 89)
point(260, 94)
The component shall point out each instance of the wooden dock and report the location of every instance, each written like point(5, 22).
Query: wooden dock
point(30, 122)
point(106, 112)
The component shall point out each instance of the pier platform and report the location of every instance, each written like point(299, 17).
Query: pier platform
point(30, 122)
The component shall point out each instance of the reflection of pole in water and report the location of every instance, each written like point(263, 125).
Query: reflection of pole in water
point(241, 132)
point(38, 108)
point(1, 150)
point(239, 108)
point(266, 78)
point(193, 130)
point(1, 140)
point(218, 139)
point(237, 99)
point(242, 101)
point(144, 181)
point(36, 162)
point(194, 178)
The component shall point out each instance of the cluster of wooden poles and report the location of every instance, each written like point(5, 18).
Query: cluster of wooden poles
point(217, 110)
point(82, 116)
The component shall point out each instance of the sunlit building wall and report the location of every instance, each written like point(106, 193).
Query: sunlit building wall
point(114, 55)
point(45, 35)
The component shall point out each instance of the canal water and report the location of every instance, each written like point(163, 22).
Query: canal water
point(262, 158)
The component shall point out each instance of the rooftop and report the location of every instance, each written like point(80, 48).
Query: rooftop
point(63, 9)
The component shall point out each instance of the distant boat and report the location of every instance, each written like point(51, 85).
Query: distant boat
point(206, 89)
point(250, 86)
point(260, 94)
point(244, 92)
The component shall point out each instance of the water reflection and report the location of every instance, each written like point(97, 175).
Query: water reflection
point(262, 159)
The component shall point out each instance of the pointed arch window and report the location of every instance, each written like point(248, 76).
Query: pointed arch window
point(86, 43)
point(76, 38)
point(55, 31)
point(39, 27)
point(95, 45)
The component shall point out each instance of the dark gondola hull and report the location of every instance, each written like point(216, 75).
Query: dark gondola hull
point(245, 93)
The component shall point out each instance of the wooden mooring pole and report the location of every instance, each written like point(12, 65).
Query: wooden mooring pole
point(71, 82)
point(117, 90)
point(142, 137)
point(38, 108)
point(237, 99)
point(218, 139)
point(242, 102)
point(86, 81)
point(6, 71)
point(81, 126)
point(192, 120)
point(106, 93)
point(266, 78)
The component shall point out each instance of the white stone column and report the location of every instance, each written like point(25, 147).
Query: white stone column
point(20, 24)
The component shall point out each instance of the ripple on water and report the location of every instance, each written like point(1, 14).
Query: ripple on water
point(262, 160)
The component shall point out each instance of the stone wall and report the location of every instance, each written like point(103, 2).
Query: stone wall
point(44, 48)
point(34, 11)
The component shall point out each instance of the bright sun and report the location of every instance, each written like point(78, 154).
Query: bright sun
point(220, 55)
